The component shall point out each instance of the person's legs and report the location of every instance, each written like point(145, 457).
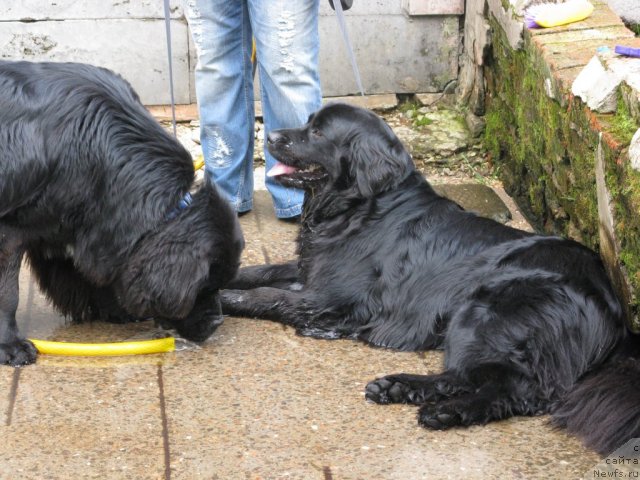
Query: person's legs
point(287, 42)
point(224, 87)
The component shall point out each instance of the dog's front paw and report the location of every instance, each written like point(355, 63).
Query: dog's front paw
point(387, 390)
point(17, 353)
point(235, 302)
point(230, 298)
point(321, 333)
point(439, 416)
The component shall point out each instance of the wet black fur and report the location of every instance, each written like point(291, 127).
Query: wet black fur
point(527, 322)
point(87, 179)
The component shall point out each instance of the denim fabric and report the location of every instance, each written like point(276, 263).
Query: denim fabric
point(286, 34)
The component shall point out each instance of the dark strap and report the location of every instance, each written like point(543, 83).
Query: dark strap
point(347, 42)
point(167, 24)
point(346, 4)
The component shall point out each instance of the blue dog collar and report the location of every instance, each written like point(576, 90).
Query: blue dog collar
point(182, 205)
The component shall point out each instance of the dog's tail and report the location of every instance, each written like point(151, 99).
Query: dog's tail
point(603, 408)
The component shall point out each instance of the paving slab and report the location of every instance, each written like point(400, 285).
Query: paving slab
point(276, 238)
point(79, 421)
point(262, 402)
point(256, 401)
point(6, 380)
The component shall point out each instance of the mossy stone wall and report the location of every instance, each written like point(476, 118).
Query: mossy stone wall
point(544, 142)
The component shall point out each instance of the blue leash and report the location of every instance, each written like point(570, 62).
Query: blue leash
point(182, 205)
point(187, 199)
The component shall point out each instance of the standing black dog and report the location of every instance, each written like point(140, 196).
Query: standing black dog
point(529, 323)
point(97, 194)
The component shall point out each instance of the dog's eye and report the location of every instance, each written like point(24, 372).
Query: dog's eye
point(315, 132)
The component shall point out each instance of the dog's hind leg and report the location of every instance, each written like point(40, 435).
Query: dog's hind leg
point(486, 393)
point(415, 389)
point(279, 276)
point(15, 350)
point(499, 392)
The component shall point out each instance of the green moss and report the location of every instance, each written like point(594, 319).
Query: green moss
point(422, 120)
point(493, 132)
point(516, 136)
point(545, 152)
point(623, 184)
point(408, 103)
point(538, 145)
point(622, 125)
point(635, 28)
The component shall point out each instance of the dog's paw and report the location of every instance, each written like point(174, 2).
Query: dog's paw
point(320, 333)
point(439, 416)
point(387, 390)
point(404, 388)
point(234, 302)
point(18, 353)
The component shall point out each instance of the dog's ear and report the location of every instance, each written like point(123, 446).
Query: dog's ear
point(163, 277)
point(378, 162)
point(169, 267)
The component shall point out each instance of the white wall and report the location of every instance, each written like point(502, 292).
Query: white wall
point(395, 52)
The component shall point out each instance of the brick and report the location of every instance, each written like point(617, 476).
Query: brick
point(617, 32)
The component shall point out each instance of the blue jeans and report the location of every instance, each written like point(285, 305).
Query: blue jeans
point(287, 41)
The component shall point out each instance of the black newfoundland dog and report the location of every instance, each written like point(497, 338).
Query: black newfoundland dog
point(529, 323)
point(97, 195)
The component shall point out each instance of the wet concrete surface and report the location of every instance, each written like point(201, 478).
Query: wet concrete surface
point(254, 402)
point(477, 198)
point(257, 401)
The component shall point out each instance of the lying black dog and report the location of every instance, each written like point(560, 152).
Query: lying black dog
point(97, 195)
point(526, 321)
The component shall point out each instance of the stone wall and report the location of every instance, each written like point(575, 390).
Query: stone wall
point(567, 163)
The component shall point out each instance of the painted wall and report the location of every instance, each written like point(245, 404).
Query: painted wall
point(397, 52)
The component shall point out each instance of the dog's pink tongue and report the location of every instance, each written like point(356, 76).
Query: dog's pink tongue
point(280, 169)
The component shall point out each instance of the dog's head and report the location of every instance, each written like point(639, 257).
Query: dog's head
point(174, 273)
point(342, 147)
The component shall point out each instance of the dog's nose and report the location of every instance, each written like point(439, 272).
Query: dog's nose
point(276, 137)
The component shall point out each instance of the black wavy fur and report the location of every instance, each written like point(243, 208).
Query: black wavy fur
point(526, 321)
point(87, 180)
point(602, 409)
